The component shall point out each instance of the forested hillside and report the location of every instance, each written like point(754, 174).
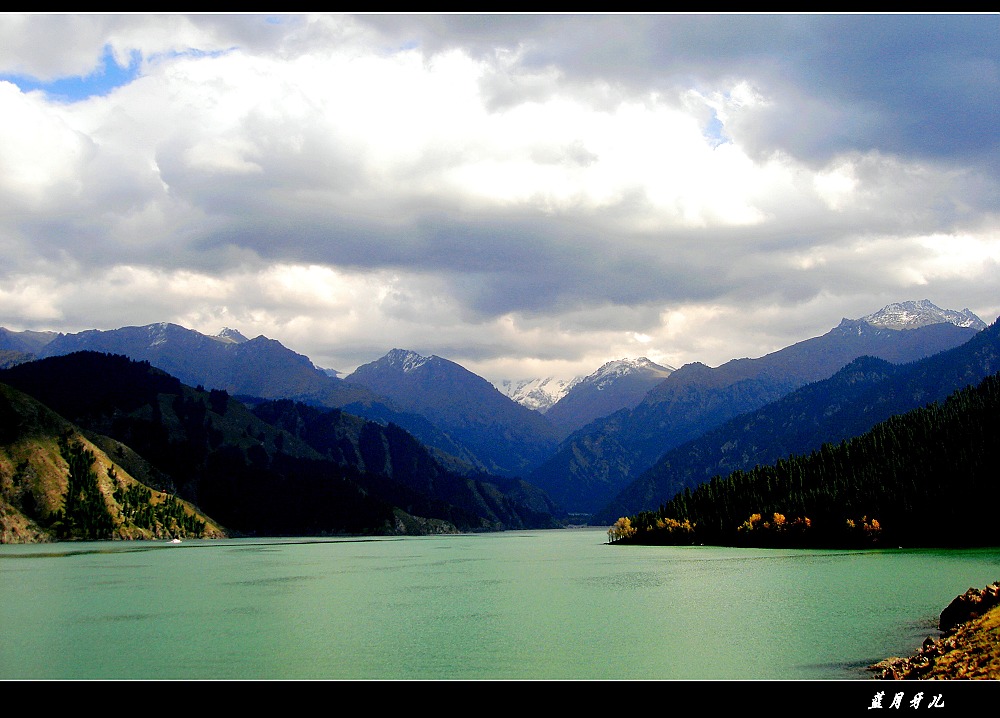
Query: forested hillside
point(924, 478)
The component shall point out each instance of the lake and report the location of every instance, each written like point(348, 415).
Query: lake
point(554, 605)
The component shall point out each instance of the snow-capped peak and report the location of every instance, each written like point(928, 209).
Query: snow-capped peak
point(913, 314)
point(231, 335)
point(406, 360)
point(542, 394)
point(537, 394)
point(614, 370)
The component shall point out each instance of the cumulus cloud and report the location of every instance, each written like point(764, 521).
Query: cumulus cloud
point(524, 194)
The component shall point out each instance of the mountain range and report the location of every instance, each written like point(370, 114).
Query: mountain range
point(597, 462)
point(262, 368)
point(582, 451)
point(463, 419)
point(259, 367)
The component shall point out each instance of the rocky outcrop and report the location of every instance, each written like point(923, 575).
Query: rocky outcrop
point(969, 647)
point(971, 604)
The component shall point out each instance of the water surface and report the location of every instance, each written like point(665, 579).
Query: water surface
point(517, 605)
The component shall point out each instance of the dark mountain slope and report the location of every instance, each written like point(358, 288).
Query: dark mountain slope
point(214, 452)
point(411, 476)
point(11, 357)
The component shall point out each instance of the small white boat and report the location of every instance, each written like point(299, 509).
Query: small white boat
point(175, 540)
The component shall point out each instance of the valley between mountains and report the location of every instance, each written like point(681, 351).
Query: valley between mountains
point(160, 431)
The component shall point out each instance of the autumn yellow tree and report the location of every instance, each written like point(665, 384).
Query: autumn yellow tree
point(622, 528)
point(777, 523)
point(674, 526)
point(751, 523)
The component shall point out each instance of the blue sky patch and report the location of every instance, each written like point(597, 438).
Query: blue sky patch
point(102, 81)
point(715, 131)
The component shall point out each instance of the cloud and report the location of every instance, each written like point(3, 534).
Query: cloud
point(505, 190)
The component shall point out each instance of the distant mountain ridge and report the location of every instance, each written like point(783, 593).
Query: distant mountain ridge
point(597, 462)
point(28, 342)
point(921, 313)
point(257, 367)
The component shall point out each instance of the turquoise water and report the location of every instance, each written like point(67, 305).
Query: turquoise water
point(515, 605)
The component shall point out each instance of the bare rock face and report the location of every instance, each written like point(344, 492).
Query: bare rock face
point(971, 604)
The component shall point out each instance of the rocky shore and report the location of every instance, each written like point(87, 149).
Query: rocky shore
point(968, 648)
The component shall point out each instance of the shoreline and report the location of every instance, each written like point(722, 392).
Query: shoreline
point(967, 649)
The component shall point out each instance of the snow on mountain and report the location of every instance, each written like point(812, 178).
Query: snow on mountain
point(542, 394)
point(405, 359)
point(537, 394)
point(618, 384)
point(921, 313)
point(615, 370)
point(231, 335)
point(159, 333)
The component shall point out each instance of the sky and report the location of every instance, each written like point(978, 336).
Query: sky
point(528, 195)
